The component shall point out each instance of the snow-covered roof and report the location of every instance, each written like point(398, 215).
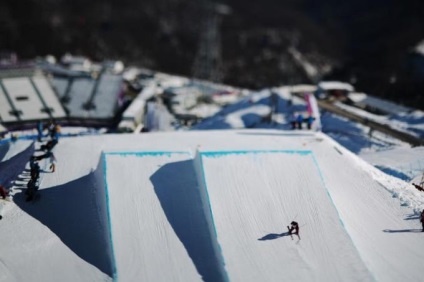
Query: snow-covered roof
point(303, 88)
point(131, 73)
point(135, 109)
point(335, 85)
point(77, 63)
point(166, 80)
point(357, 97)
point(30, 97)
point(385, 106)
point(78, 92)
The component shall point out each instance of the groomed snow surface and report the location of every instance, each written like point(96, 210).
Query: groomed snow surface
point(211, 206)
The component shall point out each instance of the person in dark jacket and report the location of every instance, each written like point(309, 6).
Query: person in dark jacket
point(422, 219)
point(32, 188)
point(3, 192)
point(40, 129)
point(309, 121)
point(54, 130)
point(294, 228)
point(52, 161)
point(299, 120)
point(49, 145)
point(35, 170)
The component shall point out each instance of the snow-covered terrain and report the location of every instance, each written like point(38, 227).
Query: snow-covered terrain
point(275, 108)
point(213, 203)
point(212, 206)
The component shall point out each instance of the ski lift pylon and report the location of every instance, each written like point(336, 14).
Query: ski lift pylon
point(422, 180)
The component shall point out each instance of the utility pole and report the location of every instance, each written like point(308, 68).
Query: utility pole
point(208, 62)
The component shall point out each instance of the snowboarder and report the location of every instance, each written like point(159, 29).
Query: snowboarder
point(294, 228)
point(54, 130)
point(14, 137)
point(293, 122)
point(422, 219)
point(40, 129)
point(35, 170)
point(32, 188)
point(44, 156)
point(299, 120)
point(309, 121)
point(52, 161)
point(49, 145)
point(3, 192)
point(32, 161)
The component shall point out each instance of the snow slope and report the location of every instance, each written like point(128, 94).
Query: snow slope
point(207, 205)
point(251, 215)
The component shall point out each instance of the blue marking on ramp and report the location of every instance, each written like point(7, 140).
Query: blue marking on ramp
point(338, 214)
point(242, 152)
point(148, 153)
point(114, 268)
point(218, 246)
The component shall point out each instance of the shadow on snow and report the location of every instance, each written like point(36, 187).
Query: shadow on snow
point(4, 148)
point(412, 217)
point(76, 213)
point(176, 187)
point(273, 236)
point(13, 167)
point(403, 231)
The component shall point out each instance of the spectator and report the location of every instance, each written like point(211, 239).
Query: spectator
point(40, 129)
point(3, 192)
point(422, 219)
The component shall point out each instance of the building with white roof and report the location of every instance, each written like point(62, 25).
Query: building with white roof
point(27, 98)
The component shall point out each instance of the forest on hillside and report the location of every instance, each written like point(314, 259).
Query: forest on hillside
point(255, 43)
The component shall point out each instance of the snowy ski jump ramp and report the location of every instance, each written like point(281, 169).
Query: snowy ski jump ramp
point(208, 206)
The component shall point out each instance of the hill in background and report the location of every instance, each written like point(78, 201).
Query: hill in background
point(262, 44)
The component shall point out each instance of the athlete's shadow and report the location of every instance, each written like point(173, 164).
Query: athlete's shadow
point(403, 231)
point(412, 216)
point(273, 236)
